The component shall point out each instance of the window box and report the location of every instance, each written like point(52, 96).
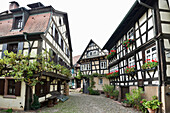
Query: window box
point(112, 75)
point(111, 54)
point(130, 71)
point(149, 65)
point(127, 43)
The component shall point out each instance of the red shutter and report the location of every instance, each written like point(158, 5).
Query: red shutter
point(17, 88)
point(2, 84)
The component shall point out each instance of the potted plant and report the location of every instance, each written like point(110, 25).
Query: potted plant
point(150, 65)
point(151, 105)
point(105, 89)
point(111, 95)
point(116, 94)
point(125, 102)
point(111, 54)
point(127, 43)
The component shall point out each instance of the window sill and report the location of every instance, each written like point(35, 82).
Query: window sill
point(9, 96)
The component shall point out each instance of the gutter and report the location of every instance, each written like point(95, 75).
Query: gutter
point(158, 49)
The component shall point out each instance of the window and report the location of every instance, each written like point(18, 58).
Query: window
point(103, 64)
point(114, 68)
point(84, 67)
point(11, 87)
point(13, 47)
point(92, 53)
point(100, 81)
point(130, 34)
point(18, 22)
point(56, 36)
point(62, 44)
point(131, 61)
point(151, 53)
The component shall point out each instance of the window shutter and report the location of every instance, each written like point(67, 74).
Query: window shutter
point(3, 49)
point(2, 83)
point(48, 87)
point(17, 88)
point(37, 89)
point(20, 46)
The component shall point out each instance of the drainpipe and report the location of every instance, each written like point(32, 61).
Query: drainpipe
point(158, 48)
point(28, 89)
point(29, 45)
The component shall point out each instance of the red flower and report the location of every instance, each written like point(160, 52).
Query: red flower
point(128, 42)
point(141, 102)
point(127, 70)
point(129, 39)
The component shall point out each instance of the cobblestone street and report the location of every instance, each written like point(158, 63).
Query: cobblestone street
point(82, 103)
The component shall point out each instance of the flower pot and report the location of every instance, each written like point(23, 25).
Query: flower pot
point(111, 97)
point(151, 111)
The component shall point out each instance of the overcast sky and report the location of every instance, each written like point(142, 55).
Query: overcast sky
point(88, 19)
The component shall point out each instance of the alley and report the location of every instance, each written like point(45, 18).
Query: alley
point(82, 103)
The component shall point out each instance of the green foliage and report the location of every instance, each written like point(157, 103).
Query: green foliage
point(130, 69)
point(79, 75)
point(108, 88)
point(135, 97)
point(81, 90)
point(36, 104)
point(152, 104)
point(116, 93)
point(127, 42)
point(23, 69)
point(112, 75)
point(111, 54)
point(93, 92)
point(150, 64)
point(8, 110)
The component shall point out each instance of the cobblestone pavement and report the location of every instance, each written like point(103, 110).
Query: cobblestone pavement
point(83, 103)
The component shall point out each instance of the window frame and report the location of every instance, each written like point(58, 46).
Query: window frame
point(14, 22)
point(151, 52)
point(100, 79)
point(103, 65)
point(130, 33)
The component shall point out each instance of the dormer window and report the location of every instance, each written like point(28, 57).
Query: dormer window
point(18, 22)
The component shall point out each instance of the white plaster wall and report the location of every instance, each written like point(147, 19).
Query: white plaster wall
point(163, 4)
point(14, 103)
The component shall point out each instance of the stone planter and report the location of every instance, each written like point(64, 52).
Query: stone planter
point(151, 111)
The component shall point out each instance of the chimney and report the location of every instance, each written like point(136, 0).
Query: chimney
point(13, 5)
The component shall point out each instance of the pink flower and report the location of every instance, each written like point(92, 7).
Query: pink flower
point(141, 102)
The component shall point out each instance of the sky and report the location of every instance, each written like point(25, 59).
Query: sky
point(88, 19)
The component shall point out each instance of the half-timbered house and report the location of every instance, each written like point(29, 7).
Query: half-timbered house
point(143, 36)
point(35, 30)
point(93, 61)
point(75, 82)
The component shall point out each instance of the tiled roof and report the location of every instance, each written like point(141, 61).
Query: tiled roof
point(75, 59)
point(35, 23)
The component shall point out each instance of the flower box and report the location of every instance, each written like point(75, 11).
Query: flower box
point(112, 75)
point(127, 43)
point(130, 70)
point(150, 65)
point(111, 54)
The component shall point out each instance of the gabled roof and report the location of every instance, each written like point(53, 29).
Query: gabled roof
point(135, 12)
point(91, 41)
point(35, 23)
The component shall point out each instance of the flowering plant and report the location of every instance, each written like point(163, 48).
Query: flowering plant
point(130, 69)
point(112, 53)
point(153, 104)
point(127, 43)
point(112, 74)
point(149, 64)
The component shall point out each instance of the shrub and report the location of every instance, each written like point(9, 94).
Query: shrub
point(93, 92)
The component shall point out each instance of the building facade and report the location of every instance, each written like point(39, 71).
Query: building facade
point(143, 36)
point(35, 30)
point(93, 61)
